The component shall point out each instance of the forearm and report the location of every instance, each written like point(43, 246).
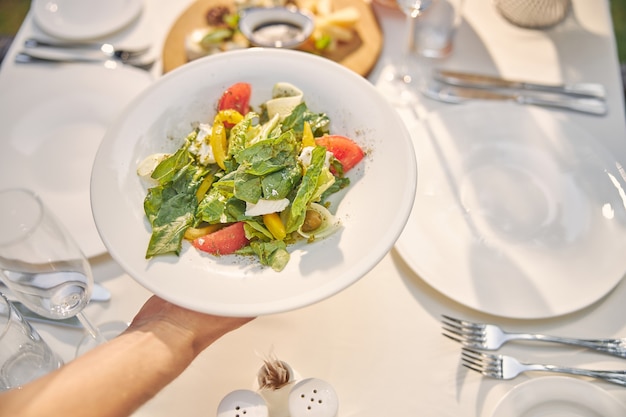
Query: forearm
point(118, 377)
point(111, 380)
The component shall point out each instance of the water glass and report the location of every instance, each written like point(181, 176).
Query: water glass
point(24, 355)
point(39, 261)
point(433, 34)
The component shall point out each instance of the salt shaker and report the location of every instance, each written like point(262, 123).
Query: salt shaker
point(243, 402)
point(313, 397)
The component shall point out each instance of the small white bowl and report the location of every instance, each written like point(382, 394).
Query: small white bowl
point(276, 27)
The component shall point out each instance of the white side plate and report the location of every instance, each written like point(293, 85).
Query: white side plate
point(517, 214)
point(84, 19)
point(52, 130)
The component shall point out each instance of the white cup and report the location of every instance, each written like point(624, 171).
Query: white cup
point(24, 355)
point(434, 30)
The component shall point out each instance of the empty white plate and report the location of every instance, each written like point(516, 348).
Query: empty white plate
point(52, 130)
point(518, 212)
point(558, 396)
point(84, 19)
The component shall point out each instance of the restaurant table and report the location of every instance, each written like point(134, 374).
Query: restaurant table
point(379, 341)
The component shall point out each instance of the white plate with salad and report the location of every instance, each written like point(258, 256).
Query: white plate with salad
point(211, 171)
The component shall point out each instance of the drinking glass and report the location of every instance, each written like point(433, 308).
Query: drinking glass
point(40, 262)
point(24, 355)
point(434, 34)
point(400, 72)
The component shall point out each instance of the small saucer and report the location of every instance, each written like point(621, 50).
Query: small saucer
point(555, 396)
point(276, 27)
point(81, 20)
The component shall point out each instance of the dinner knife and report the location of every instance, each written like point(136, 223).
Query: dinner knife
point(29, 315)
point(452, 94)
point(463, 79)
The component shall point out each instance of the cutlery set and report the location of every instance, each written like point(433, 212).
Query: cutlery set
point(476, 338)
point(458, 87)
point(41, 51)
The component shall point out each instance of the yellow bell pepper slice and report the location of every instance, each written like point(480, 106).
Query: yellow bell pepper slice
point(230, 116)
point(307, 135)
point(218, 140)
point(193, 233)
point(275, 225)
point(204, 187)
point(218, 143)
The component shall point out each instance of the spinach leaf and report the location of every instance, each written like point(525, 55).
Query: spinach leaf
point(319, 122)
point(171, 209)
point(268, 169)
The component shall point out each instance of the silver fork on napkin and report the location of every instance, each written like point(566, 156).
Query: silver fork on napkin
point(507, 367)
point(491, 337)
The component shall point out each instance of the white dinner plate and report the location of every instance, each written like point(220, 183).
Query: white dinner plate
point(558, 396)
point(518, 213)
point(52, 123)
point(84, 19)
point(372, 210)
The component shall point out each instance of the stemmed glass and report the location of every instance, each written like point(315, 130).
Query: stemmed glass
point(400, 77)
point(41, 263)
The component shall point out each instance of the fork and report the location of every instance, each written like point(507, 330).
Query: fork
point(491, 337)
point(105, 48)
point(507, 367)
point(26, 58)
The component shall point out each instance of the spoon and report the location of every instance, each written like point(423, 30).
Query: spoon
point(98, 293)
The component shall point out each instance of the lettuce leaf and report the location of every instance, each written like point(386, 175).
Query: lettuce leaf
point(297, 211)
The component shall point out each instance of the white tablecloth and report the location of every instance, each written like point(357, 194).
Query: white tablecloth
point(379, 342)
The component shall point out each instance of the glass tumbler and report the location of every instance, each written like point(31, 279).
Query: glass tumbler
point(24, 355)
point(433, 34)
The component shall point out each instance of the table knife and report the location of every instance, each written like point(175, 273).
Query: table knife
point(30, 316)
point(463, 79)
point(452, 94)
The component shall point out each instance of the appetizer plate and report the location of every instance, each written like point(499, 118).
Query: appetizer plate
point(52, 130)
point(84, 19)
point(556, 396)
point(360, 54)
point(372, 210)
point(518, 212)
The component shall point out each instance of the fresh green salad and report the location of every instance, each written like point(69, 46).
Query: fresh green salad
point(251, 182)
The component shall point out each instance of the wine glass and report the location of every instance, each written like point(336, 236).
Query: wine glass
point(400, 77)
point(41, 263)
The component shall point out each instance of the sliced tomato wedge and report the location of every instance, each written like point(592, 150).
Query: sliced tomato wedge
point(236, 97)
point(225, 241)
point(342, 148)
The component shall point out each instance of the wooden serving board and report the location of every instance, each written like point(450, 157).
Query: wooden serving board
point(360, 55)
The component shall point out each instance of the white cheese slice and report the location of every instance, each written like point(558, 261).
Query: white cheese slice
point(264, 206)
point(286, 97)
